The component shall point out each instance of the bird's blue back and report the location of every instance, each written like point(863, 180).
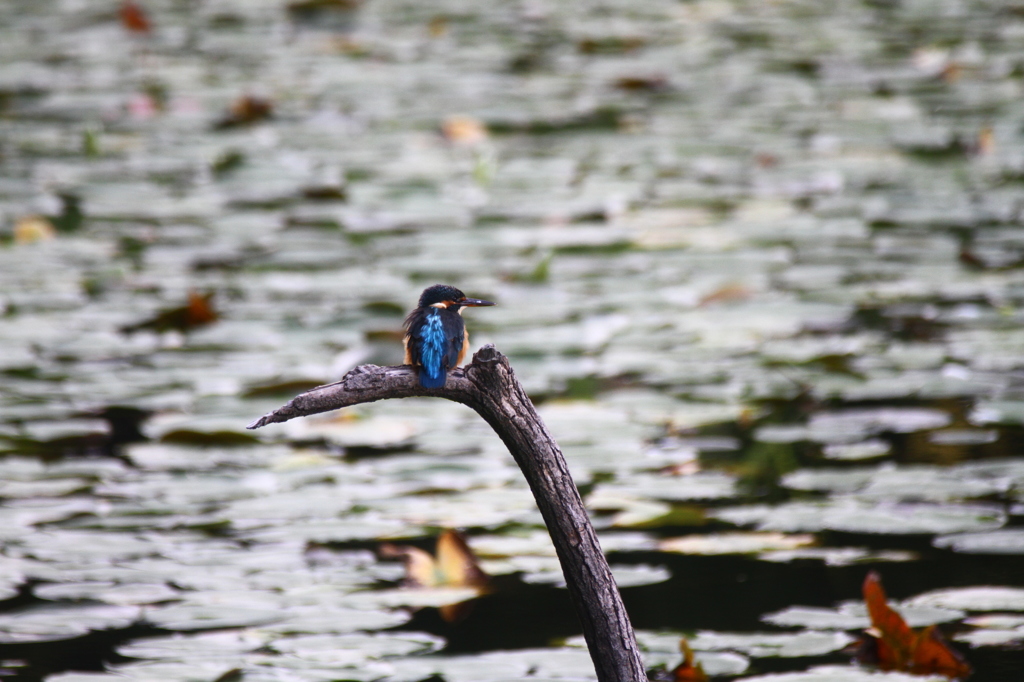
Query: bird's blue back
point(432, 350)
point(438, 337)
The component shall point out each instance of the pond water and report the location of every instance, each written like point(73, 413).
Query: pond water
point(760, 265)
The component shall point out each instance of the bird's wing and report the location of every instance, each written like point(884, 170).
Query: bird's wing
point(413, 324)
point(455, 335)
point(433, 347)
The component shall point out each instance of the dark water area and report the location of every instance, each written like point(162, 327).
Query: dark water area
point(760, 266)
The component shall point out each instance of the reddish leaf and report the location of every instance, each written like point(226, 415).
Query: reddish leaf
point(133, 18)
point(894, 635)
point(726, 294)
point(246, 110)
point(687, 671)
point(892, 645)
point(934, 655)
point(652, 83)
point(198, 312)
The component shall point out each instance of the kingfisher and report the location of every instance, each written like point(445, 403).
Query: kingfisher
point(436, 339)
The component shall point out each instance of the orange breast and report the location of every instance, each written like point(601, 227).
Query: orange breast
point(465, 347)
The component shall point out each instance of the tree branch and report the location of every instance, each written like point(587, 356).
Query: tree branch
point(490, 387)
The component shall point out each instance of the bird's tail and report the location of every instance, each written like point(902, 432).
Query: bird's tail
point(428, 381)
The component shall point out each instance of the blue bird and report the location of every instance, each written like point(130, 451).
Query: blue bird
point(436, 339)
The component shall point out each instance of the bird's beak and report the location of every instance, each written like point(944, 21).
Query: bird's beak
point(474, 302)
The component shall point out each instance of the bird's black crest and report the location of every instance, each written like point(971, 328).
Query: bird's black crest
point(439, 293)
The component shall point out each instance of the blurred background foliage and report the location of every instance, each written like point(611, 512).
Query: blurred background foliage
point(759, 263)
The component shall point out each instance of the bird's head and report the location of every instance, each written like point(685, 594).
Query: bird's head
point(448, 298)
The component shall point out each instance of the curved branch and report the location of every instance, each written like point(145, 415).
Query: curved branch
point(365, 384)
point(490, 387)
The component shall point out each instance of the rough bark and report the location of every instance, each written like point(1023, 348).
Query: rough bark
point(490, 387)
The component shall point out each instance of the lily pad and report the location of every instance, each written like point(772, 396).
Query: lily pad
point(868, 449)
point(853, 615)
point(111, 593)
point(201, 645)
point(991, 637)
point(49, 431)
point(998, 412)
point(54, 623)
point(357, 648)
point(412, 597)
point(968, 437)
point(771, 645)
point(880, 420)
point(185, 617)
point(376, 432)
point(986, 598)
point(44, 488)
point(930, 483)
point(817, 618)
point(697, 486)
point(1005, 541)
point(995, 629)
point(837, 556)
point(537, 543)
point(662, 648)
point(831, 480)
point(835, 673)
point(856, 516)
point(564, 663)
point(635, 513)
point(734, 543)
point(634, 575)
point(331, 618)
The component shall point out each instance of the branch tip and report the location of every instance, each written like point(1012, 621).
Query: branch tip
point(487, 353)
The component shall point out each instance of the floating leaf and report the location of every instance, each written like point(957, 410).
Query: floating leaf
point(773, 644)
point(54, 623)
point(727, 294)
point(837, 556)
point(464, 130)
point(543, 665)
point(134, 18)
point(187, 617)
point(111, 593)
point(651, 83)
point(734, 543)
point(835, 673)
point(688, 671)
point(345, 429)
point(634, 575)
point(454, 565)
point(892, 645)
point(1005, 541)
point(983, 598)
point(246, 110)
point(33, 228)
point(857, 516)
point(197, 312)
point(993, 630)
point(880, 420)
point(868, 449)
